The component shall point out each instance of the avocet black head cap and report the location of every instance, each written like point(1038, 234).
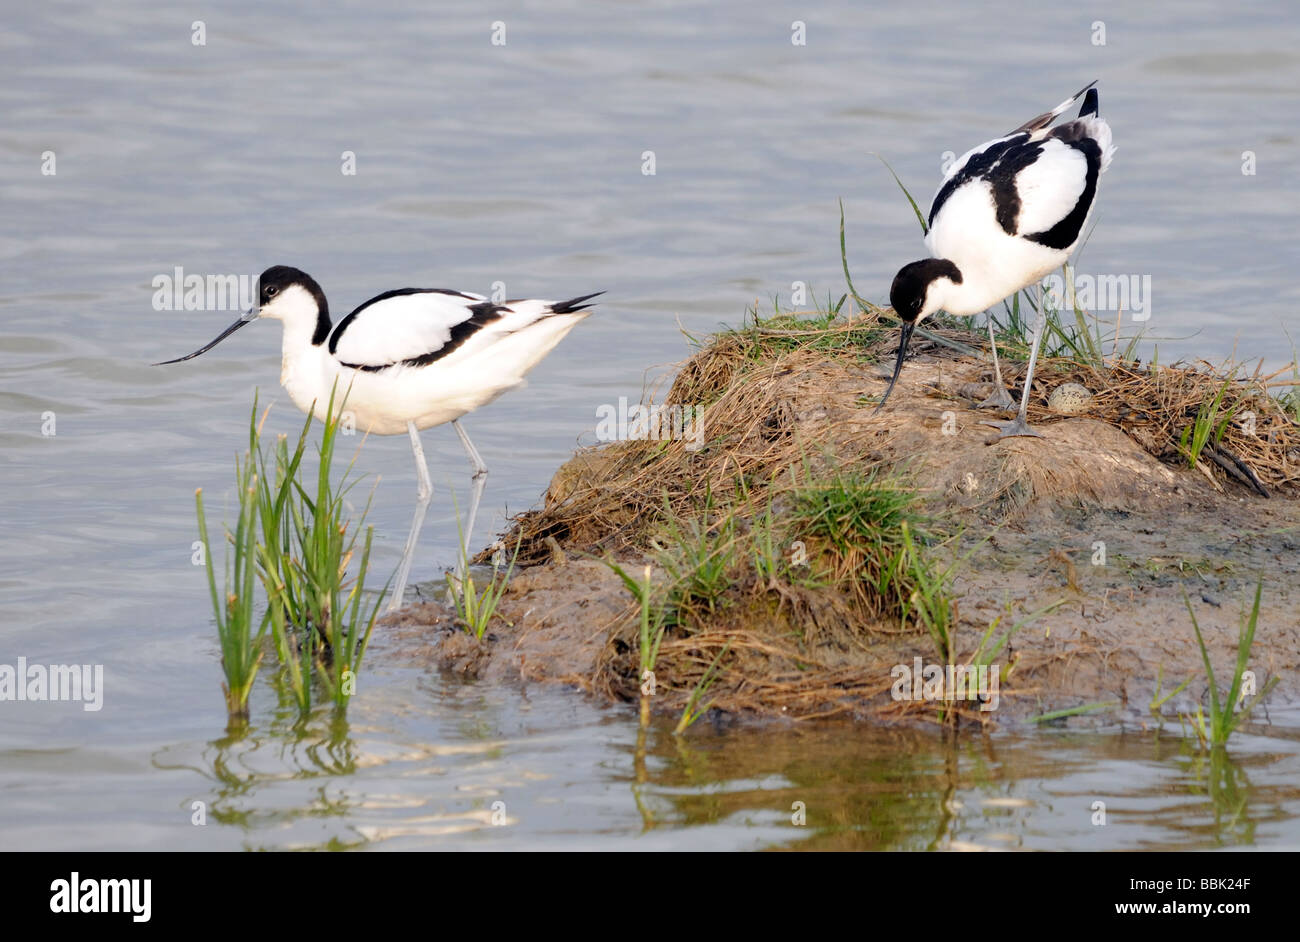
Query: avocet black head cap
point(277, 279)
point(912, 294)
point(915, 295)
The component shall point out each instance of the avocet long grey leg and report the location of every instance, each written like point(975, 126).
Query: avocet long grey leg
point(1018, 425)
point(999, 398)
point(424, 492)
point(478, 482)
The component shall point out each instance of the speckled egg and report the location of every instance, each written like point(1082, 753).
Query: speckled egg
point(1070, 399)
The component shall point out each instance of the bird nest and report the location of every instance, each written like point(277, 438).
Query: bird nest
point(610, 496)
point(787, 411)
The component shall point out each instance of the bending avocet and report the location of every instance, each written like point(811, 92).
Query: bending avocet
point(1007, 213)
point(408, 360)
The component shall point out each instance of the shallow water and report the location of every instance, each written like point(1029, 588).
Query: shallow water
point(523, 163)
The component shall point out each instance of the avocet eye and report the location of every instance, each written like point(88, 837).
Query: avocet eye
point(271, 291)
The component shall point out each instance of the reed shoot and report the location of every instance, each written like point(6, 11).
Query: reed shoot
point(238, 628)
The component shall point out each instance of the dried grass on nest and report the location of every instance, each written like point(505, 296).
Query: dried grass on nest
point(635, 484)
point(1154, 406)
point(786, 645)
point(629, 486)
point(752, 433)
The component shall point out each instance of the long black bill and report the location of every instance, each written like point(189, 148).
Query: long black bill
point(898, 365)
point(246, 318)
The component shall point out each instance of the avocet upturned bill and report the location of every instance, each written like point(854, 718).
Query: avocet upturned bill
point(407, 360)
point(1007, 213)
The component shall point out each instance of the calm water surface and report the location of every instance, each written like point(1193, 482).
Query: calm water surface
point(523, 164)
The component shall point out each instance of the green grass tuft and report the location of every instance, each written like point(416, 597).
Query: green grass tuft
point(300, 545)
point(238, 628)
point(869, 522)
point(1224, 716)
point(475, 609)
point(1209, 425)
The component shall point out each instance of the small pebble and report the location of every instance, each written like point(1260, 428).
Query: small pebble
point(1070, 399)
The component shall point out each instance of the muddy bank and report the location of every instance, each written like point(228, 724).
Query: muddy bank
point(1098, 527)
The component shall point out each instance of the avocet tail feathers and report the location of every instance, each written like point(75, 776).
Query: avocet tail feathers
point(573, 305)
point(1043, 120)
point(1089, 104)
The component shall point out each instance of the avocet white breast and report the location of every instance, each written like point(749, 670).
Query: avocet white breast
point(407, 360)
point(1007, 213)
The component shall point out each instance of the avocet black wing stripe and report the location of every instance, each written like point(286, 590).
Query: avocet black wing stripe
point(485, 313)
point(417, 328)
point(1059, 174)
point(1002, 178)
point(1065, 232)
point(343, 325)
point(477, 316)
point(981, 165)
point(398, 326)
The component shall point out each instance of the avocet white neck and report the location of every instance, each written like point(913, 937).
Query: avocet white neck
point(307, 371)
